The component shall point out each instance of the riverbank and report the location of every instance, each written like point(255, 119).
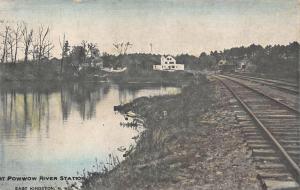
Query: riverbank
point(155, 77)
point(51, 73)
point(47, 72)
point(190, 142)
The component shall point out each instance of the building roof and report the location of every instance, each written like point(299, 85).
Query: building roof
point(168, 56)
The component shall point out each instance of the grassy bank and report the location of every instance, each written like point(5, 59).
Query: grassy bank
point(45, 72)
point(174, 150)
point(29, 72)
point(157, 145)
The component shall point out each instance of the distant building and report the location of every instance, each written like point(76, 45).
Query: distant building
point(246, 65)
point(225, 66)
point(168, 63)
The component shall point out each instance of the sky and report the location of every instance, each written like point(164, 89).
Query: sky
point(172, 26)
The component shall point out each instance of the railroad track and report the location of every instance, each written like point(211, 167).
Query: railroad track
point(272, 132)
point(278, 84)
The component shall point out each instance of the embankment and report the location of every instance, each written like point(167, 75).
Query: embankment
point(194, 146)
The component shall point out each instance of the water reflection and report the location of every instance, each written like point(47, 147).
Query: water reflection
point(129, 92)
point(84, 96)
point(21, 108)
point(59, 129)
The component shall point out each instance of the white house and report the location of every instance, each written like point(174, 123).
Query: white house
point(168, 63)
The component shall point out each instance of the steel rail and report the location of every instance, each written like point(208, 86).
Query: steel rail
point(271, 80)
point(267, 82)
point(284, 153)
point(263, 94)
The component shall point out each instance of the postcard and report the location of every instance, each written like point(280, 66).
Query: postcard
point(149, 94)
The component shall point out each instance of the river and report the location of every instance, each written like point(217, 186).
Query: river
point(64, 129)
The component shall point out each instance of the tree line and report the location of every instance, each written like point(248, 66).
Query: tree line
point(269, 59)
point(20, 39)
point(21, 44)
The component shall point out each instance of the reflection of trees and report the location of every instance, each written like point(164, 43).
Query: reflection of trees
point(23, 110)
point(126, 95)
point(66, 103)
point(85, 97)
point(128, 92)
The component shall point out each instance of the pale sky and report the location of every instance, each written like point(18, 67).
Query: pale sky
point(172, 26)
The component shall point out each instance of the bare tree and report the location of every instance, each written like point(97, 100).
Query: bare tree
point(27, 41)
point(5, 44)
point(47, 49)
point(34, 50)
point(91, 48)
point(118, 48)
point(11, 43)
point(17, 37)
point(42, 43)
point(11, 38)
point(127, 46)
point(122, 47)
point(93, 52)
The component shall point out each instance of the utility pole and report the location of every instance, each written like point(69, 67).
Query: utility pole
point(151, 45)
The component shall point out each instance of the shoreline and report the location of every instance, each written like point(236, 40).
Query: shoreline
point(186, 139)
